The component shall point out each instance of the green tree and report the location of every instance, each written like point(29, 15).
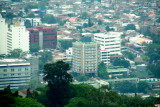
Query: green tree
point(20, 14)
point(45, 58)
point(129, 55)
point(143, 86)
point(65, 44)
point(26, 9)
point(100, 22)
point(31, 15)
point(121, 62)
point(34, 48)
point(58, 82)
point(85, 25)
point(27, 102)
point(48, 19)
point(10, 16)
point(109, 29)
point(102, 71)
point(84, 15)
point(90, 22)
point(28, 24)
point(130, 27)
point(82, 78)
point(158, 20)
point(126, 87)
point(17, 53)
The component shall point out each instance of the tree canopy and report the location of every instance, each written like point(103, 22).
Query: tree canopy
point(120, 62)
point(130, 27)
point(34, 48)
point(58, 82)
point(17, 53)
point(102, 71)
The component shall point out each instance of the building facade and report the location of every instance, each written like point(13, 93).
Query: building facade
point(86, 57)
point(19, 37)
point(111, 41)
point(15, 37)
point(3, 36)
point(44, 37)
point(14, 72)
point(105, 56)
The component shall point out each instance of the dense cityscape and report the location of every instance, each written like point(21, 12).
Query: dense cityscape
point(78, 53)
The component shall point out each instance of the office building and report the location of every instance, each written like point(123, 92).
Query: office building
point(111, 41)
point(86, 57)
point(44, 37)
point(14, 72)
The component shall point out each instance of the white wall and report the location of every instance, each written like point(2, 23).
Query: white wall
point(3, 36)
point(20, 38)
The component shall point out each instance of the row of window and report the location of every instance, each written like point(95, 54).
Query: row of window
point(12, 69)
point(14, 74)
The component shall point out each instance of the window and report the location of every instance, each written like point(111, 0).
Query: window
point(4, 70)
point(19, 73)
point(19, 69)
point(12, 74)
point(4, 74)
point(12, 70)
point(26, 69)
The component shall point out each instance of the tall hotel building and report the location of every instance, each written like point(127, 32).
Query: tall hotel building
point(12, 38)
point(110, 41)
point(85, 57)
point(44, 37)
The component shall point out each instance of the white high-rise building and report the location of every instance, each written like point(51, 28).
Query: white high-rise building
point(3, 35)
point(17, 37)
point(111, 41)
point(20, 37)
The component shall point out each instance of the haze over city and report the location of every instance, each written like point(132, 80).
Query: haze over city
point(78, 53)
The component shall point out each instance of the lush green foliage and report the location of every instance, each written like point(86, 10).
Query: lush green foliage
point(109, 29)
point(130, 27)
point(58, 82)
point(9, 99)
point(129, 55)
point(121, 62)
point(34, 48)
point(48, 19)
point(45, 58)
point(31, 15)
point(102, 71)
point(17, 53)
point(126, 87)
point(65, 44)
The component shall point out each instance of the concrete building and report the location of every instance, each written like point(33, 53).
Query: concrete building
point(3, 36)
point(34, 21)
point(86, 56)
point(19, 38)
point(44, 37)
point(14, 72)
point(111, 41)
point(12, 38)
point(104, 56)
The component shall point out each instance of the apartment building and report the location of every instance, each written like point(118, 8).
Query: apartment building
point(111, 41)
point(86, 57)
point(44, 37)
point(15, 37)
